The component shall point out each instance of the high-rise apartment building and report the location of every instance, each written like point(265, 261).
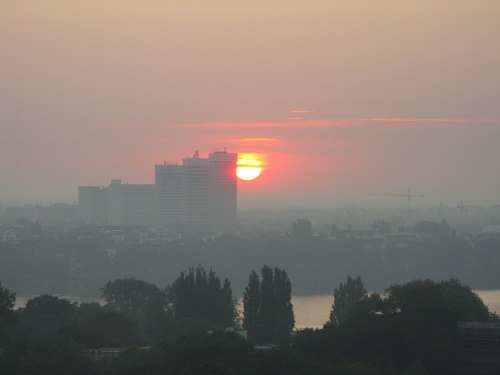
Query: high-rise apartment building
point(196, 191)
point(223, 190)
point(207, 192)
point(93, 204)
point(199, 196)
point(169, 190)
point(132, 204)
point(118, 204)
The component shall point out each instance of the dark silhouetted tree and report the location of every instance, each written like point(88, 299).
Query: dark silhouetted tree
point(345, 297)
point(416, 321)
point(267, 308)
point(112, 329)
point(48, 305)
point(134, 297)
point(433, 229)
point(198, 295)
point(302, 228)
point(7, 317)
point(251, 306)
point(57, 356)
point(44, 316)
point(284, 319)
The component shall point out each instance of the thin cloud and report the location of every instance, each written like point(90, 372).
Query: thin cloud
point(437, 120)
point(283, 124)
point(256, 140)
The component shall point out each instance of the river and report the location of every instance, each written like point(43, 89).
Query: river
point(313, 311)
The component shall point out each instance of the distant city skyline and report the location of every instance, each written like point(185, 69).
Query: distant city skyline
point(197, 196)
point(342, 98)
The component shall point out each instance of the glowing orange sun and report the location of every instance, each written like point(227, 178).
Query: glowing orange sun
point(249, 166)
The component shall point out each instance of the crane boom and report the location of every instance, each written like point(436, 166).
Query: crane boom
point(409, 195)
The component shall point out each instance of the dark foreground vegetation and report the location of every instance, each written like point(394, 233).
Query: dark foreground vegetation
point(189, 328)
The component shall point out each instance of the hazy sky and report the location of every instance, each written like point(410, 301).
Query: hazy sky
point(344, 98)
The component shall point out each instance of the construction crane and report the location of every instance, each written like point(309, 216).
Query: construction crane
point(464, 210)
point(407, 196)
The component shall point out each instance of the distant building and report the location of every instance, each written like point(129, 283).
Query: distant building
point(12, 214)
point(490, 231)
point(118, 204)
point(196, 200)
point(8, 234)
point(223, 190)
point(58, 214)
point(199, 196)
point(93, 204)
point(169, 190)
point(132, 204)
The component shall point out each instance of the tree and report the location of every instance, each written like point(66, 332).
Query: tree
point(252, 304)
point(43, 317)
point(302, 228)
point(267, 308)
point(134, 297)
point(416, 321)
point(433, 229)
point(48, 305)
point(345, 297)
point(112, 329)
point(57, 356)
point(86, 311)
point(198, 295)
point(7, 301)
point(284, 318)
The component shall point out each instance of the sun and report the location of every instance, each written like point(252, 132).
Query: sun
point(249, 166)
point(248, 173)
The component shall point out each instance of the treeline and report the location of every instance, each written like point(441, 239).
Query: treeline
point(64, 265)
point(139, 313)
point(408, 329)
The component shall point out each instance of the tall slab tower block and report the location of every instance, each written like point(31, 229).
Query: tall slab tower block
point(200, 195)
point(169, 190)
point(196, 202)
point(223, 190)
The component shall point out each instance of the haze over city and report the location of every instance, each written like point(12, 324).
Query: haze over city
point(341, 98)
point(250, 187)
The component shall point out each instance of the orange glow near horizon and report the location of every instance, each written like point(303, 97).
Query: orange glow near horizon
point(249, 166)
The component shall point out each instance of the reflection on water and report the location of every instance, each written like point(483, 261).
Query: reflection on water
point(312, 311)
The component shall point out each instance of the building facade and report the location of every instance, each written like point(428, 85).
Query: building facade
point(118, 204)
point(196, 189)
point(169, 191)
point(58, 214)
point(93, 204)
point(223, 190)
point(199, 196)
point(132, 204)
